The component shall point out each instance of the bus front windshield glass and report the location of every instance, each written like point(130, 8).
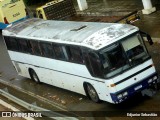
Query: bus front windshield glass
point(120, 56)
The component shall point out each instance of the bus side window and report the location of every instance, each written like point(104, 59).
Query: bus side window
point(74, 54)
point(59, 52)
point(11, 43)
point(35, 48)
point(23, 44)
point(47, 49)
point(95, 65)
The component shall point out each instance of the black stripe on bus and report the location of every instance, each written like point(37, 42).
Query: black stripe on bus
point(58, 71)
point(133, 75)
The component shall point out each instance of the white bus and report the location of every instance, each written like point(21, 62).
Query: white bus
point(11, 11)
point(104, 61)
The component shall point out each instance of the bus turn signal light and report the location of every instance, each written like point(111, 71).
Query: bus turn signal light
point(112, 85)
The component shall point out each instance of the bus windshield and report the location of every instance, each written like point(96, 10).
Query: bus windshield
point(123, 55)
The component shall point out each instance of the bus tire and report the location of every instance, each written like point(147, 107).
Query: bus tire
point(92, 94)
point(34, 76)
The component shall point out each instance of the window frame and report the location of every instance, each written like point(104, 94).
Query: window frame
point(27, 49)
point(62, 51)
point(32, 48)
point(71, 54)
point(9, 45)
point(41, 43)
point(31, 43)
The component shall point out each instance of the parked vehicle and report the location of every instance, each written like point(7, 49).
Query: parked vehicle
point(104, 61)
point(11, 11)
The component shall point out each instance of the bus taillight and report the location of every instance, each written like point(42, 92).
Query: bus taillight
point(6, 21)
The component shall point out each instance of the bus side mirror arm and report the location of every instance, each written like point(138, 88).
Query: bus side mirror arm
point(149, 39)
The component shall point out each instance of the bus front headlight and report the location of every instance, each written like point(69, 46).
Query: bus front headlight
point(119, 96)
point(150, 80)
point(125, 94)
point(155, 78)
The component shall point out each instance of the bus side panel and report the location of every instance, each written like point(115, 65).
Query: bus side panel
point(62, 80)
point(48, 70)
point(44, 75)
point(51, 77)
point(21, 69)
point(62, 74)
point(102, 91)
point(70, 82)
point(65, 81)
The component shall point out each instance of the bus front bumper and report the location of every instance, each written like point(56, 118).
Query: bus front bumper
point(124, 94)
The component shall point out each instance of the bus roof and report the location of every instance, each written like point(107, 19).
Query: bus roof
point(90, 34)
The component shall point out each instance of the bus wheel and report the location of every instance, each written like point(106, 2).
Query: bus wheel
point(34, 76)
point(92, 93)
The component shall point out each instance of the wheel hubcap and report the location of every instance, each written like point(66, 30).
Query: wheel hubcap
point(92, 93)
point(35, 77)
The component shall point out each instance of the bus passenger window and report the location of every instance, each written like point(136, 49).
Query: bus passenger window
point(47, 49)
point(35, 48)
point(11, 43)
point(75, 54)
point(58, 52)
point(95, 65)
point(23, 44)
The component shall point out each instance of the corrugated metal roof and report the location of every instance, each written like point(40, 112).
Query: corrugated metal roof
point(91, 34)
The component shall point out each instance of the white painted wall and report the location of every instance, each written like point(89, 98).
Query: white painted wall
point(82, 4)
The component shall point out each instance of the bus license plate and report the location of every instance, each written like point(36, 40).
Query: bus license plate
point(138, 87)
